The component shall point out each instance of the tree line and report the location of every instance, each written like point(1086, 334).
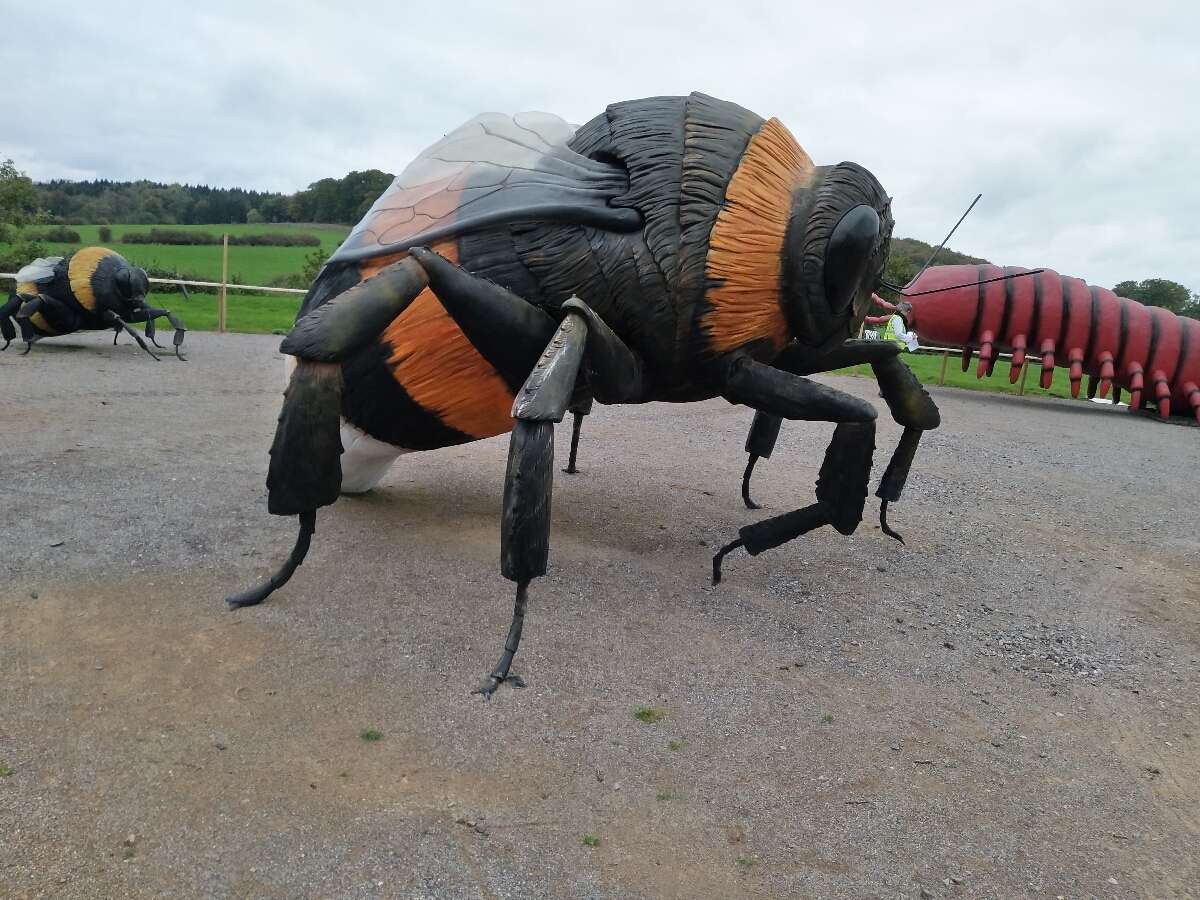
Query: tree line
point(331, 200)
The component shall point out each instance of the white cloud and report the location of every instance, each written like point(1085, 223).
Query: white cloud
point(1075, 119)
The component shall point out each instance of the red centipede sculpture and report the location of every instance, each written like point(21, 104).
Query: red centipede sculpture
point(1151, 353)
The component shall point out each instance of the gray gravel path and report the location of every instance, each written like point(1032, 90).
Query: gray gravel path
point(1004, 706)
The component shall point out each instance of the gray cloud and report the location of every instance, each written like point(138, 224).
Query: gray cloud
point(1075, 119)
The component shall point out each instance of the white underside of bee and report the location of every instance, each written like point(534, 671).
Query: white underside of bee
point(365, 460)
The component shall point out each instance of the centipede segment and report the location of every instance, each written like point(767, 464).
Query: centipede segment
point(1149, 352)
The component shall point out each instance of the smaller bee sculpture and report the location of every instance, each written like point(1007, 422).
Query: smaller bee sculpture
point(90, 290)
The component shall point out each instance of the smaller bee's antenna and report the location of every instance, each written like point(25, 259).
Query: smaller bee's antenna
point(933, 256)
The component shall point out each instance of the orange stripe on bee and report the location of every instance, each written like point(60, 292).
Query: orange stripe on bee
point(745, 250)
point(80, 271)
point(442, 371)
point(373, 266)
point(29, 289)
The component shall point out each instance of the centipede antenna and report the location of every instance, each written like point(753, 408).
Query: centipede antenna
point(973, 283)
point(933, 256)
point(890, 286)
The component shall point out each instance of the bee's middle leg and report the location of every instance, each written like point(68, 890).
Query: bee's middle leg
point(529, 481)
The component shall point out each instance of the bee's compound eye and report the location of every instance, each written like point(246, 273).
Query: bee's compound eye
point(123, 285)
point(848, 254)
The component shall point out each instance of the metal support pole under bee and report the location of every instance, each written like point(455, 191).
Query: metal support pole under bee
point(224, 279)
point(1024, 371)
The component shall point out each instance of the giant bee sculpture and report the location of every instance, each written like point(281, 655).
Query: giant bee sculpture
point(93, 289)
point(674, 248)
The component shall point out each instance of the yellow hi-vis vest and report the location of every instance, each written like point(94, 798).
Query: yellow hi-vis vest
point(889, 333)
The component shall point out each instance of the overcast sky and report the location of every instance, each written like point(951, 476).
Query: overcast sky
point(1078, 121)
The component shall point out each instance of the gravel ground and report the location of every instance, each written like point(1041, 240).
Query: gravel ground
point(1004, 706)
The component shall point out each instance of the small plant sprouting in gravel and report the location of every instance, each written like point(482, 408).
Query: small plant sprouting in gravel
point(827, 719)
point(342, 774)
point(128, 854)
point(674, 745)
point(5, 770)
point(649, 714)
point(371, 735)
point(615, 743)
point(748, 862)
point(590, 841)
point(664, 795)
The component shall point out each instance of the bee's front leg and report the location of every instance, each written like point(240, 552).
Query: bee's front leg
point(118, 324)
point(148, 314)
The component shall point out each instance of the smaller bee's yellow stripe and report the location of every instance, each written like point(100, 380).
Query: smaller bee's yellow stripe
point(39, 321)
point(82, 268)
point(29, 289)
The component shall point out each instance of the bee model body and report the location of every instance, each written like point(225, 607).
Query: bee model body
point(671, 249)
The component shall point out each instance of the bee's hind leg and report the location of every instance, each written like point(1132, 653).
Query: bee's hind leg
point(578, 410)
point(305, 471)
point(764, 431)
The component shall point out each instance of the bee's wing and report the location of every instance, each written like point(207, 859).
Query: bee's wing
point(494, 169)
point(39, 270)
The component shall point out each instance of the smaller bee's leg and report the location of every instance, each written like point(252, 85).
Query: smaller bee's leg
point(111, 318)
point(7, 311)
point(579, 410)
point(28, 335)
point(529, 481)
point(151, 313)
point(116, 334)
point(142, 314)
point(764, 431)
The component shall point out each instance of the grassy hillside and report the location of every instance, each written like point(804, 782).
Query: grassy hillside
point(916, 252)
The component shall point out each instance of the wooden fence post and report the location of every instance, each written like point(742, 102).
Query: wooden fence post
point(224, 279)
point(942, 377)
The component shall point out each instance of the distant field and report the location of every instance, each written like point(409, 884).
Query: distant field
point(927, 367)
point(248, 265)
point(251, 315)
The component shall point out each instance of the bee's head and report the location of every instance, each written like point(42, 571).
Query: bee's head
point(836, 248)
point(131, 283)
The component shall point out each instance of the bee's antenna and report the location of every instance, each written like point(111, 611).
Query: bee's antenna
point(955, 287)
point(933, 256)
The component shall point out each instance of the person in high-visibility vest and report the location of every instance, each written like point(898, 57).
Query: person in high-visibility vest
point(897, 329)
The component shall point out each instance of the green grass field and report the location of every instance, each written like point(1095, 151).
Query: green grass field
point(274, 314)
point(928, 366)
point(247, 265)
